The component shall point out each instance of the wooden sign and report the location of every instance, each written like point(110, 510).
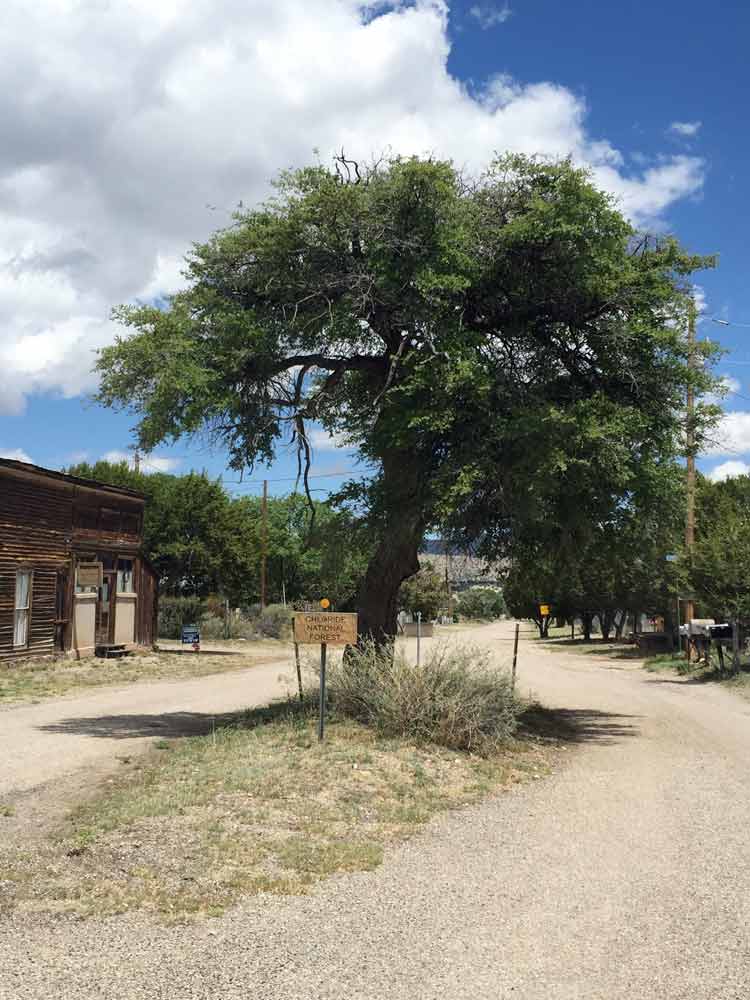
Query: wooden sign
point(90, 574)
point(329, 628)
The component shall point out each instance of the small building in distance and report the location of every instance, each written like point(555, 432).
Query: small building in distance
point(73, 579)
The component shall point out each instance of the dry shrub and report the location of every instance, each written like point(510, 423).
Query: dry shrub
point(456, 699)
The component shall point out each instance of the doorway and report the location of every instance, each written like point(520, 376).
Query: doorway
point(105, 623)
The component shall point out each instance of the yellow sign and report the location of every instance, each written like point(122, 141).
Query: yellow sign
point(544, 610)
point(325, 603)
point(331, 628)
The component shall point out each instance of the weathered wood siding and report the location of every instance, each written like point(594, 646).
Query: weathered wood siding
point(47, 523)
point(35, 523)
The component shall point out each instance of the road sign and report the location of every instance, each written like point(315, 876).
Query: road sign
point(191, 636)
point(544, 610)
point(671, 558)
point(329, 628)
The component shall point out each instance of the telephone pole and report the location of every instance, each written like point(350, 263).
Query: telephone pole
point(263, 543)
point(690, 453)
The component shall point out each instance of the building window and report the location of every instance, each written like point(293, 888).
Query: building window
point(87, 518)
point(23, 607)
point(131, 523)
point(109, 520)
point(125, 576)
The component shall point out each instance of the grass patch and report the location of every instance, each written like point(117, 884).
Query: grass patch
point(701, 673)
point(36, 680)
point(613, 649)
point(257, 806)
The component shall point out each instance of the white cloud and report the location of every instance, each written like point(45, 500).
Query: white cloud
point(17, 454)
point(727, 470)
point(148, 463)
point(321, 440)
point(489, 16)
point(731, 436)
point(729, 384)
point(123, 122)
point(687, 129)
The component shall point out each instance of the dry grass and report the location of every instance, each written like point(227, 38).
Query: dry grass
point(258, 806)
point(36, 680)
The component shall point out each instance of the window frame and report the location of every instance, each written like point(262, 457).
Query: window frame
point(28, 571)
point(119, 571)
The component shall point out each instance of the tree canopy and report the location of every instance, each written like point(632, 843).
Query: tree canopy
point(478, 341)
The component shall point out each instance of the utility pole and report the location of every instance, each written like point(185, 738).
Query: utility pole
point(263, 543)
point(690, 453)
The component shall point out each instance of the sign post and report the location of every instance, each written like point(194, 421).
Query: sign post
point(419, 636)
point(515, 658)
point(331, 629)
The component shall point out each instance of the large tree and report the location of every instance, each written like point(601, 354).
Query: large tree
point(450, 328)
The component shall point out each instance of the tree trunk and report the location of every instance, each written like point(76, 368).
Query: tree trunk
point(396, 556)
point(619, 624)
point(586, 619)
point(606, 620)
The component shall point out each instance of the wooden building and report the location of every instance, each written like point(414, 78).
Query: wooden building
point(73, 580)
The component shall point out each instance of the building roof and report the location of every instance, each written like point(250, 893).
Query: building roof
point(12, 463)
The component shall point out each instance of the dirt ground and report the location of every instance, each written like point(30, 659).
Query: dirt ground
point(622, 875)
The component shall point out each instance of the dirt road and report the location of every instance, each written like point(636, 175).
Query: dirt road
point(44, 743)
point(624, 875)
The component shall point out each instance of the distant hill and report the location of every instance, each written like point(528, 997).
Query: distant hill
point(464, 569)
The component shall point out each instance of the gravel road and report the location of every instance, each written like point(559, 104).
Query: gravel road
point(624, 875)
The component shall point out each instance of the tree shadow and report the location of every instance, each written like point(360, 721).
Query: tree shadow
point(175, 725)
point(577, 725)
point(615, 649)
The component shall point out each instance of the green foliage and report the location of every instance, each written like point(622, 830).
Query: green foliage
point(174, 612)
point(455, 699)
point(720, 569)
point(503, 351)
point(202, 541)
point(425, 592)
point(481, 602)
point(610, 565)
point(274, 621)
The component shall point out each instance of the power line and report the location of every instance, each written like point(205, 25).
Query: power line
point(290, 479)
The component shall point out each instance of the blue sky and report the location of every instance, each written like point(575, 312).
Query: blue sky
point(132, 129)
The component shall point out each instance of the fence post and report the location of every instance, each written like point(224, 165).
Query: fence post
point(515, 658)
point(419, 637)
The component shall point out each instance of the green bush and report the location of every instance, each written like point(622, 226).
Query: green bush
point(273, 622)
point(456, 699)
point(174, 612)
point(481, 602)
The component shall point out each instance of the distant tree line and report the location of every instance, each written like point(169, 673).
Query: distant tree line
point(202, 541)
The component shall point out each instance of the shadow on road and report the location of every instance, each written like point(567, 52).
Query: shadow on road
point(577, 725)
point(567, 725)
point(167, 725)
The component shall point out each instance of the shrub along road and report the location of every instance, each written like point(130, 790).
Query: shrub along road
point(623, 875)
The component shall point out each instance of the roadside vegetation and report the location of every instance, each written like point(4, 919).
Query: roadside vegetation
point(257, 804)
point(705, 673)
